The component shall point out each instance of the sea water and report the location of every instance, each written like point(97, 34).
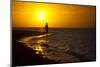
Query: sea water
point(64, 45)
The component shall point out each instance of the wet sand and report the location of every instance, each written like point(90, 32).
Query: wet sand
point(23, 55)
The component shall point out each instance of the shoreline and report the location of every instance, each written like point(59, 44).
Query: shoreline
point(23, 55)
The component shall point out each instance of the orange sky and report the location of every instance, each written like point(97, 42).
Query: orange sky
point(26, 14)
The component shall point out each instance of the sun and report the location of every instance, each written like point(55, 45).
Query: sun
point(41, 15)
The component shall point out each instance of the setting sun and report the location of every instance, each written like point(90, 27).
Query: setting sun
point(41, 16)
point(30, 14)
point(49, 33)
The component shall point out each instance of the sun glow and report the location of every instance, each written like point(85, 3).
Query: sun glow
point(41, 16)
point(57, 15)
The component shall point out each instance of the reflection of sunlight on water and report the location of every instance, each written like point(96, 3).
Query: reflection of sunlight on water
point(52, 51)
point(39, 49)
point(42, 41)
point(53, 48)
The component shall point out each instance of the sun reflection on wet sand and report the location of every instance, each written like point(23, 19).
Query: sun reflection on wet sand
point(47, 48)
point(39, 49)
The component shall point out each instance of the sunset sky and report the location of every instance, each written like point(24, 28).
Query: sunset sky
point(30, 14)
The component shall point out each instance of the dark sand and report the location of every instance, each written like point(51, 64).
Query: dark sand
point(22, 55)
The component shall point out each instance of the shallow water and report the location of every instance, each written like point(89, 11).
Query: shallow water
point(64, 45)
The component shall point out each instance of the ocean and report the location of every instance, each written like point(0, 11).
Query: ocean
point(63, 44)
